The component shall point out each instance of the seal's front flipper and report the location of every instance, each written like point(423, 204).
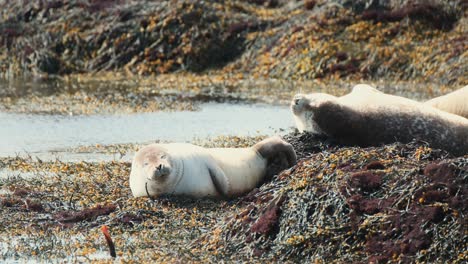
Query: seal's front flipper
point(220, 180)
point(275, 147)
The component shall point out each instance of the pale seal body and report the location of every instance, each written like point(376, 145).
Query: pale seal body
point(189, 170)
point(367, 116)
point(455, 102)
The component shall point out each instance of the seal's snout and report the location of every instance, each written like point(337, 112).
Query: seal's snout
point(297, 99)
point(160, 170)
point(297, 103)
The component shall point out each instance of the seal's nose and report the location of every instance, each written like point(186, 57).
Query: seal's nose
point(297, 99)
point(160, 167)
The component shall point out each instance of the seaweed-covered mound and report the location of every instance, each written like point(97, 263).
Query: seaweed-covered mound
point(56, 215)
point(401, 203)
point(402, 40)
point(62, 37)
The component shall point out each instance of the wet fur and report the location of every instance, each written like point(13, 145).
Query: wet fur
point(368, 117)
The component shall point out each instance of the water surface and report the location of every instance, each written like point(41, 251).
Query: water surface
point(20, 133)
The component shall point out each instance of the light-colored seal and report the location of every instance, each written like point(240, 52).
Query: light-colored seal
point(455, 102)
point(367, 116)
point(189, 170)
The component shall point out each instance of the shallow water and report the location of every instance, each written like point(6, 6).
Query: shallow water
point(27, 133)
point(53, 135)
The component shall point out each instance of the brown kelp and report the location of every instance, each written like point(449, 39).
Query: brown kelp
point(398, 40)
point(397, 202)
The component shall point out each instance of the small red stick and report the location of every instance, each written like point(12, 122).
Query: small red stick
point(111, 245)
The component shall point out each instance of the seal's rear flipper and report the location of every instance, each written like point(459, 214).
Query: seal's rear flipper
point(220, 180)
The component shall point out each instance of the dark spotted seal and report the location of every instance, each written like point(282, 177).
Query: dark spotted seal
point(367, 116)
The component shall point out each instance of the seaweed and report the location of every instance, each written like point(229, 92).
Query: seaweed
point(432, 13)
point(397, 203)
point(308, 40)
point(87, 214)
point(396, 208)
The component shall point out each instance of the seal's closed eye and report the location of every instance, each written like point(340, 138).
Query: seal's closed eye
point(367, 116)
point(186, 169)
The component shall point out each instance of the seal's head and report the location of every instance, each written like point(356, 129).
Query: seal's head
point(154, 172)
point(303, 107)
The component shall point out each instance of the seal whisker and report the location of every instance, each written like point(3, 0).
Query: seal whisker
point(214, 172)
point(367, 117)
point(147, 193)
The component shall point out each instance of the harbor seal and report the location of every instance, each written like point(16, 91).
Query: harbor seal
point(455, 102)
point(190, 170)
point(367, 117)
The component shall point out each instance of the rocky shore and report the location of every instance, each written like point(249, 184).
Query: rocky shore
point(402, 203)
point(294, 40)
point(399, 203)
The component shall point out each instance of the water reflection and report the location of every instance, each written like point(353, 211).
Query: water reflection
point(52, 85)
